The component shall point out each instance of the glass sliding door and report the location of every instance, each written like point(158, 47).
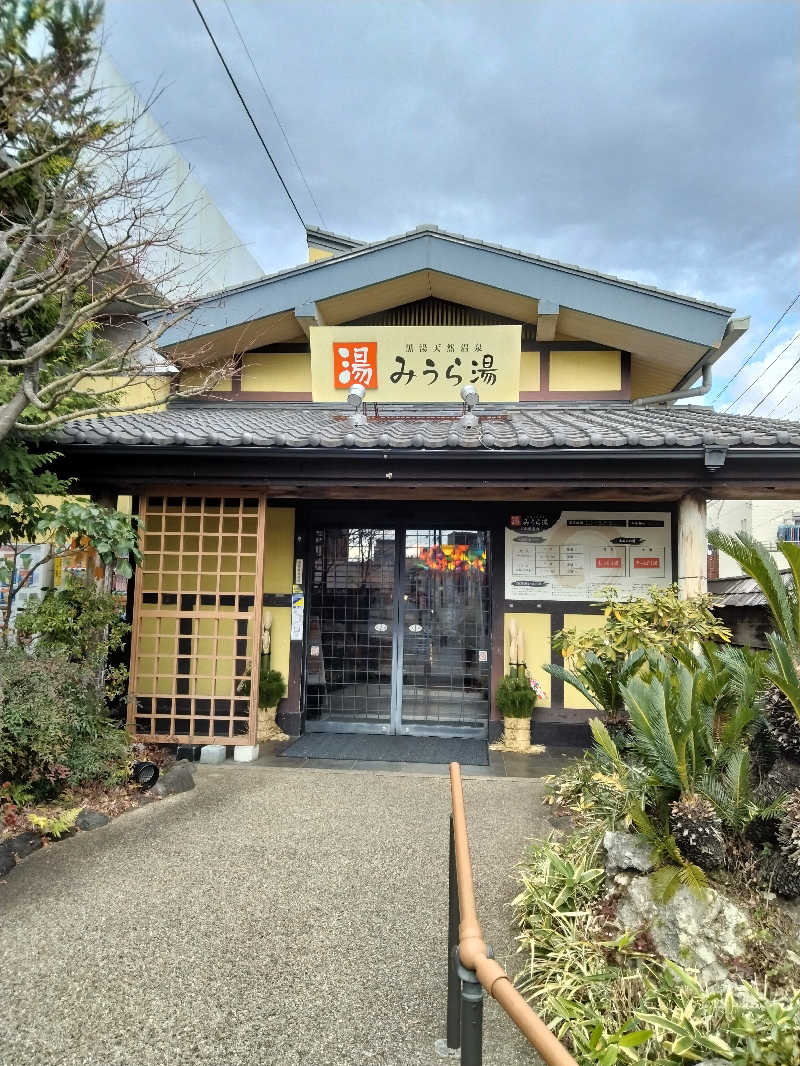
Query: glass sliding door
point(445, 633)
point(397, 637)
point(349, 642)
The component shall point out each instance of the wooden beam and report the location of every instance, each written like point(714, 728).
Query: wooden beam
point(547, 321)
point(308, 315)
point(692, 545)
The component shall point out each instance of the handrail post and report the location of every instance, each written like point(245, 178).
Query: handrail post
point(471, 1017)
point(453, 981)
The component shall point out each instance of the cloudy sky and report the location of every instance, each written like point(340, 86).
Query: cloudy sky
point(657, 140)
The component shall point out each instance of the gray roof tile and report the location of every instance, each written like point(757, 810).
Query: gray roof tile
point(535, 426)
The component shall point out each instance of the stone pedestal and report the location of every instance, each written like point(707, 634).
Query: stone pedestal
point(213, 753)
point(245, 752)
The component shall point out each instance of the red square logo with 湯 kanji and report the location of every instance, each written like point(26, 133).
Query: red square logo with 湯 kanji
point(355, 363)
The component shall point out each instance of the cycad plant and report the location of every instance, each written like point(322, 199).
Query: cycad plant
point(782, 696)
point(690, 723)
point(600, 680)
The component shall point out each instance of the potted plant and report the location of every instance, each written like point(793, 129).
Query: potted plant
point(516, 697)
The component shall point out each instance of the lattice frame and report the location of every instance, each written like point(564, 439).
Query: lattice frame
point(197, 617)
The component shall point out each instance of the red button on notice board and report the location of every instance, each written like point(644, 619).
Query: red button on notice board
point(609, 562)
point(646, 562)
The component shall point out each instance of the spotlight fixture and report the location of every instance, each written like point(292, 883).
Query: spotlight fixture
point(469, 394)
point(145, 774)
point(355, 400)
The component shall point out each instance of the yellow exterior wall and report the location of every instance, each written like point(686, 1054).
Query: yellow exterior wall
point(145, 390)
point(281, 625)
point(279, 550)
point(278, 372)
point(315, 254)
point(536, 631)
point(530, 371)
point(580, 622)
point(278, 578)
point(585, 371)
point(194, 378)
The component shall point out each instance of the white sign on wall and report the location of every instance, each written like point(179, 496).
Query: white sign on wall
point(574, 554)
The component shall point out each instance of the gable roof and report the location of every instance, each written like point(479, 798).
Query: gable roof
point(677, 331)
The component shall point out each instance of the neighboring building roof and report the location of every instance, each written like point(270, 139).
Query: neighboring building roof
point(740, 591)
point(502, 426)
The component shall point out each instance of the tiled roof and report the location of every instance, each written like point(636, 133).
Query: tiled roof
point(534, 426)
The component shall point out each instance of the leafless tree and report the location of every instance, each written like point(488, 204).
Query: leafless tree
point(91, 237)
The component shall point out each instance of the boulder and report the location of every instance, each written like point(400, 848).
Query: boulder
point(89, 819)
point(7, 860)
point(23, 844)
point(702, 932)
point(177, 779)
point(624, 851)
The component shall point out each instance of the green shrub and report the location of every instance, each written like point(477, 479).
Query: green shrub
point(81, 623)
point(514, 697)
point(54, 730)
point(271, 685)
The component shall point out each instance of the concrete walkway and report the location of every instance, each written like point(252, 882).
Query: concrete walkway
point(267, 917)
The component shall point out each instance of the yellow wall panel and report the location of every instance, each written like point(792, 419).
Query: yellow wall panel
point(585, 371)
point(276, 372)
point(315, 254)
point(530, 372)
point(195, 378)
point(279, 550)
point(146, 390)
point(281, 626)
point(580, 622)
point(536, 631)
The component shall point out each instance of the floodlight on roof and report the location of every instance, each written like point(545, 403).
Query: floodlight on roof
point(355, 400)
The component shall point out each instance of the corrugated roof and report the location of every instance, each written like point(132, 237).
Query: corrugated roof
point(740, 591)
point(236, 424)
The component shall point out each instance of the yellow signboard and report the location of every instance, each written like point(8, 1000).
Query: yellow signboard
point(415, 364)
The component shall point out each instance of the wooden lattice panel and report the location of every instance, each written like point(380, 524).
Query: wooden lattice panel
point(197, 619)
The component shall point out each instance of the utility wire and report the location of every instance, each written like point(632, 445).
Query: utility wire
point(247, 112)
point(766, 368)
point(274, 112)
point(766, 337)
point(782, 378)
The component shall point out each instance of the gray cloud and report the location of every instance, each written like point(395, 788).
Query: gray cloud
point(659, 141)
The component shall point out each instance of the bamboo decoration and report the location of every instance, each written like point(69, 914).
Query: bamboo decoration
point(513, 638)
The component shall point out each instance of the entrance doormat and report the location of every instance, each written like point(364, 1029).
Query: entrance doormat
point(374, 747)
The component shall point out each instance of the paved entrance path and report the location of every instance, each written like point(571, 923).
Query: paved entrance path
point(267, 917)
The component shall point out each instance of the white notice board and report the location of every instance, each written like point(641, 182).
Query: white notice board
point(572, 555)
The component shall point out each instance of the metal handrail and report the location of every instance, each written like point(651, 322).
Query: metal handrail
point(471, 969)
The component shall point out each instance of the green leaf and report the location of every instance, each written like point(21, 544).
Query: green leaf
point(634, 1039)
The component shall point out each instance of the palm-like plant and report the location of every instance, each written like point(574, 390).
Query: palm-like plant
point(783, 668)
point(600, 680)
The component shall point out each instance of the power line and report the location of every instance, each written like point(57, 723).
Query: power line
point(782, 378)
point(274, 112)
point(766, 368)
point(766, 337)
point(247, 112)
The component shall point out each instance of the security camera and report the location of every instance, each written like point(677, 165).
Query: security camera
point(469, 394)
point(355, 396)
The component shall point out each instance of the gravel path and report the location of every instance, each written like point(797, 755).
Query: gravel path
point(267, 917)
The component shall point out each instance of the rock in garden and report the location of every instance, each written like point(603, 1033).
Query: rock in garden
point(7, 860)
point(177, 779)
point(89, 819)
point(701, 932)
point(625, 851)
point(23, 844)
